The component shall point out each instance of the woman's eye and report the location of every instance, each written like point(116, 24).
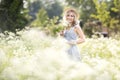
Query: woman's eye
point(70, 15)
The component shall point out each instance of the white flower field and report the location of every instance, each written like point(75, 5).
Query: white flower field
point(32, 55)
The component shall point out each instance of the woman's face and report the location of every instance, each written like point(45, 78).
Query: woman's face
point(70, 17)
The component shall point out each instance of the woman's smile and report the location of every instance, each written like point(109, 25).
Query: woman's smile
point(70, 17)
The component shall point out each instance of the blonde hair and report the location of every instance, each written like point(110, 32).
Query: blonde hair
point(76, 15)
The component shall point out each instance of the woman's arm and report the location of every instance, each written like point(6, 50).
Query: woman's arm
point(80, 34)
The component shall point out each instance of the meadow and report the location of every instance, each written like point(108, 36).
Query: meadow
point(33, 55)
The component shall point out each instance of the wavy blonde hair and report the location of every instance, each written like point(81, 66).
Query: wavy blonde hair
point(76, 16)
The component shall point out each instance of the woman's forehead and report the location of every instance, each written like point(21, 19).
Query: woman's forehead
point(71, 13)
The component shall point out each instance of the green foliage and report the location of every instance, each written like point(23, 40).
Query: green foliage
point(53, 27)
point(107, 17)
point(10, 16)
point(115, 14)
point(47, 15)
point(103, 15)
point(117, 5)
point(14, 6)
point(43, 22)
point(88, 29)
point(42, 19)
point(50, 26)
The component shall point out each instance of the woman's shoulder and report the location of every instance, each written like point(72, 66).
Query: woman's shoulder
point(77, 26)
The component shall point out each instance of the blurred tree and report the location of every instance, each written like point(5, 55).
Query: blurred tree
point(41, 19)
point(115, 14)
point(106, 14)
point(86, 8)
point(46, 15)
point(46, 24)
point(52, 7)
point(103, 14)
point(11, 17)
point(33, 7)
point(55, 10)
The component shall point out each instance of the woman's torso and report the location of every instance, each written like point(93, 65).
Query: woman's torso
point(70, 34)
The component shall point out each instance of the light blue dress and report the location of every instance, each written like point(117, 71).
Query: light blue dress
point(73, 50)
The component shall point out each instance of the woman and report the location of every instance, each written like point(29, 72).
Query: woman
point(72, 32)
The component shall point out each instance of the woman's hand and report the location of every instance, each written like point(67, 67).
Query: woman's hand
point(62, 33)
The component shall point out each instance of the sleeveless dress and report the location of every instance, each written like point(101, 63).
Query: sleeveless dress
point(73, 50)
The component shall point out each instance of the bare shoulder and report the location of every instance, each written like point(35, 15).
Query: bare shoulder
point(78, 28)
